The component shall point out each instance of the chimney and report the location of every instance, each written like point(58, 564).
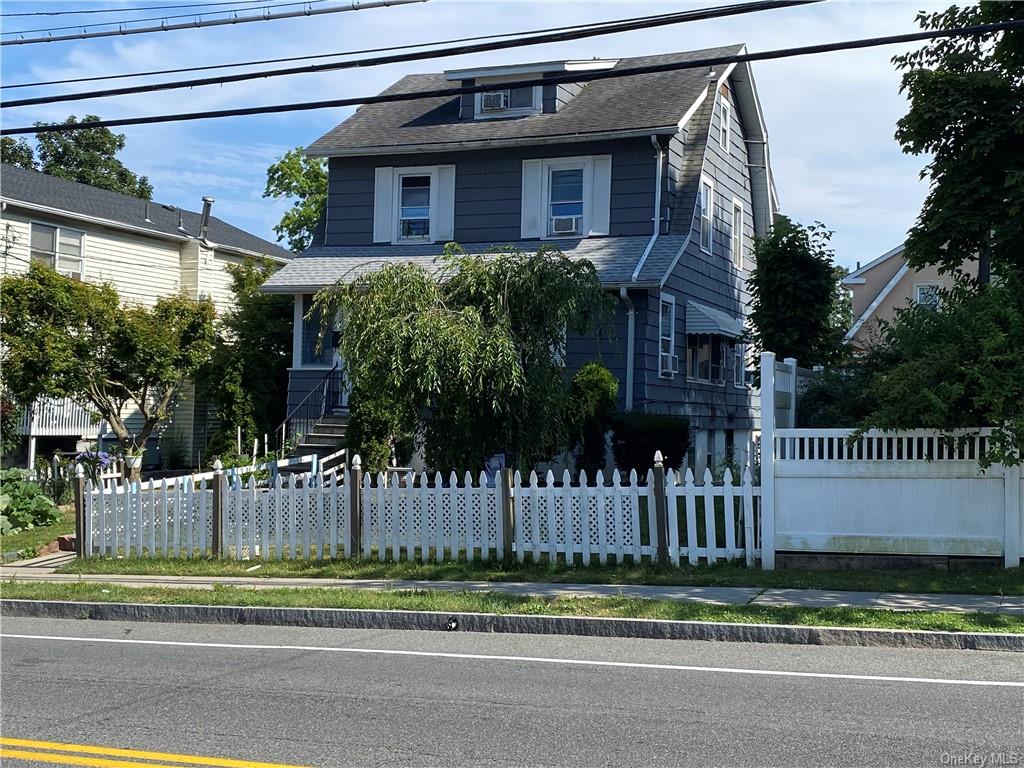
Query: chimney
point(204, 221)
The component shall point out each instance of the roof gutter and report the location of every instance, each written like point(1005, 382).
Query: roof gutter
point(657, 208)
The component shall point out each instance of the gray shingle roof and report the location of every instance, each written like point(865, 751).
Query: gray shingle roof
point(21, 185)
point(620, 105)
point(615, 258)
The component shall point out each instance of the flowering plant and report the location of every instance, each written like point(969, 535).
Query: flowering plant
point(94, 462)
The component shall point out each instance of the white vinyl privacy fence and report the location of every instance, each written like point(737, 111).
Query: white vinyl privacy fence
point(439, 518)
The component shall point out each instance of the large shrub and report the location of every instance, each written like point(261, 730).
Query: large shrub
point(593, 397)
point(23, 504)
point(639, 435)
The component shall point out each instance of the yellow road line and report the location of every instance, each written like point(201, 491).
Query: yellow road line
point(167, 757)
point(87, 762)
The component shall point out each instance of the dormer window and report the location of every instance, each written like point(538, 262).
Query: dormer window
point(508, 102)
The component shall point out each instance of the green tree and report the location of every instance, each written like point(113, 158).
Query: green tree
point(303, 181)
point(247, 376)
point(65, 338)
point(967, 115)
point(796, 303)
point(89, 156)
point(17, 153)
point(593, 402)
point(469, 356)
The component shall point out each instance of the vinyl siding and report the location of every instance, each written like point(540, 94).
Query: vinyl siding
point(488, 193)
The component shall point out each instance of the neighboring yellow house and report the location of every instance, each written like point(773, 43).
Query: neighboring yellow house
point(142, 248)
point(886, 284)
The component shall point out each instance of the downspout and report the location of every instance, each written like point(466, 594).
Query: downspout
point(630, 343)
point(657, 208)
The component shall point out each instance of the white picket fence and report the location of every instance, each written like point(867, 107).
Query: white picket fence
point(416, 517)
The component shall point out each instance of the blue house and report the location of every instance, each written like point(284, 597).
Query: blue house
point(661, 180)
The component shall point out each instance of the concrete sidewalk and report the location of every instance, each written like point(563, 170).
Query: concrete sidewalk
point(42, 569)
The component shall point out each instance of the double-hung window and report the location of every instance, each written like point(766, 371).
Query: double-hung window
point(58, 248)
point(725, 126)
point(414, 207)
point(668, 361)
point(565, 201)
point(927, 295)
point(311, 324)
point(737, 234)
point(706, 357)
point(707, 194)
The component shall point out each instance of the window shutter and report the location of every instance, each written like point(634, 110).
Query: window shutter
point(384, 227)
point(532, 220)
point(444, 225)
point(601, 195)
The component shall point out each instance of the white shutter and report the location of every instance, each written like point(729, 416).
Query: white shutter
point(384, 225)
point(601, 195)
point(444, 223)
point(532, 219)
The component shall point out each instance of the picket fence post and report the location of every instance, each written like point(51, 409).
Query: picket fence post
point(508, 514)
point(660, 509)
point(768, 461)
point(80, 532)
point(355, 520)
point(217, 516)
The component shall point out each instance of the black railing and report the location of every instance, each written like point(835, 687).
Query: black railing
point(321, 400)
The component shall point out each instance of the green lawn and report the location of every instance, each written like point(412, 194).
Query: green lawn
point(34, 538)
point(982, 581)
point(491, 602)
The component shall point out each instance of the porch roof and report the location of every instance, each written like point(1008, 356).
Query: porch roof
point(615, 259)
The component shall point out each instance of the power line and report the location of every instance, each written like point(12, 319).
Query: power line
point(553, 37)
point(317, 55)
point(353, 5)
point(574, 77)
point(155, 18)
point(122, 9)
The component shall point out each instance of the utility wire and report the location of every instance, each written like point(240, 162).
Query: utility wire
point(122, 9)
point(574, 77)
point(320, 55)
point(352, 5)
point(553, 37)
point(121, 22)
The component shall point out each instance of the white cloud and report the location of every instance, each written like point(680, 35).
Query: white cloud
point(831, 117)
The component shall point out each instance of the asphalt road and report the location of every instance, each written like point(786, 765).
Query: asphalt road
point(377, 698)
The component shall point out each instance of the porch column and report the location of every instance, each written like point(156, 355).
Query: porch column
point(700, 453)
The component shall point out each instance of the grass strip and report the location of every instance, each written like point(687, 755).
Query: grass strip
point(969, 581)
point(33, 538)
point(493, 602)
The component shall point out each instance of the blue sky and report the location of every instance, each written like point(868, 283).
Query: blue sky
point(830, 117)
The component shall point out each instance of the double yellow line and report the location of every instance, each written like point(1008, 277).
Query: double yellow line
point(101, 757)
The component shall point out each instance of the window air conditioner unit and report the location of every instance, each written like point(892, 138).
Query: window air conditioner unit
point(565, 225)
point(493, 101)
point(669, 364)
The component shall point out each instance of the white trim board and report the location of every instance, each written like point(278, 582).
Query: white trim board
point(876, 303)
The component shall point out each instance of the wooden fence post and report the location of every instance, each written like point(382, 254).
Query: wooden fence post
point(355, 520)
point(768, 461)
point(660, 509)
point(80, 547)
point(508, 514)
point(217, 543)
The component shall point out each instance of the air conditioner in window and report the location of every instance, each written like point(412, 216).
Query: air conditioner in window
point(566, 225)
point(668, 364)
point(493, 101)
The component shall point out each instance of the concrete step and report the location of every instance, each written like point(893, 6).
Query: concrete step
point(329, 429)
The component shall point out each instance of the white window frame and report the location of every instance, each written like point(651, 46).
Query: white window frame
point(396, 206)
point(535, 109)
point(667, 371)
point(706, 181)
point(739, 363)
point(737, 238)
point(58, 228)
point(917, 293)
point(586, 164)
point(725, 126)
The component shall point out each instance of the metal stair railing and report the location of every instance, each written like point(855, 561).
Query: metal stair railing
point(313, 407)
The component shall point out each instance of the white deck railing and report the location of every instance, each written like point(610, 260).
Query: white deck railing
point(58, 417)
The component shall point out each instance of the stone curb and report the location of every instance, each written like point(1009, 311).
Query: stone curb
point(352, 618)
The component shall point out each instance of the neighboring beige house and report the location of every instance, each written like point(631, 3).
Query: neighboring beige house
point(886, 284)
point(142, 248)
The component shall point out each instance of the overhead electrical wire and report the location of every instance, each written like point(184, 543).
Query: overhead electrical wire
point(552, 37)
point(310, 57)
point(574, 77)
point(165, 17)
point(122, 9)
point(351, 5)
